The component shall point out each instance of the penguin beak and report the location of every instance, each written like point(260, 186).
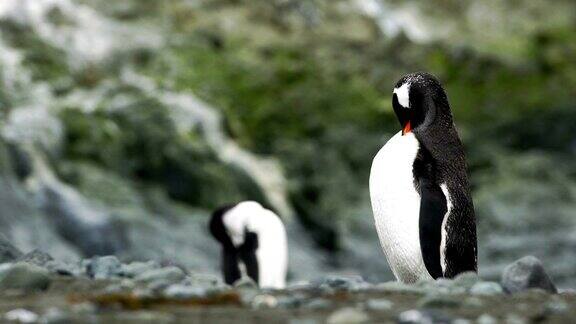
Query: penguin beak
point(407, 128)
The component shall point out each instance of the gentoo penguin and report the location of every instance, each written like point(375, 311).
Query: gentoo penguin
point(255, 237)
point(419, 188)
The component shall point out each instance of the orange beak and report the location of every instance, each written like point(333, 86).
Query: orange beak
point(407, 128)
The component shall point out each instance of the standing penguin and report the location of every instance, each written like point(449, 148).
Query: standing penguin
point(419, 188)
point(254, 236)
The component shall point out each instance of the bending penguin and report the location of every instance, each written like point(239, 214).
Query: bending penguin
point(419, 188)
point(255, 237)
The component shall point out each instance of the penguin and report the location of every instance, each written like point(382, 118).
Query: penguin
point(253, 237)
point(419, 190)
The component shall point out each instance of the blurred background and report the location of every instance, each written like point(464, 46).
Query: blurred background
point(124, 123)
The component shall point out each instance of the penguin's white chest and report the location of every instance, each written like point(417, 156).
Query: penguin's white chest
point(396, 207)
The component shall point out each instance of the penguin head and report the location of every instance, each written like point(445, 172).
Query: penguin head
point(419, 101)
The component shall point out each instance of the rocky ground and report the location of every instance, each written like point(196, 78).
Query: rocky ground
point(35, 288)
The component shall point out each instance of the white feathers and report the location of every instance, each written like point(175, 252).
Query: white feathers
point(444, 230)
point(272, 252)
point(396, 206)
point(403, 94)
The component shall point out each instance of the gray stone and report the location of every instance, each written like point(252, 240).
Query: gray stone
point(135, 269)
point(526, 273)
point(63, 269)
point(466, 280)
point(8, 252)
point(348, 315)
point(245, 283)
point(486, 288)
point(415, 316)
point(24, 276)
point(486, 319)
point(179, 291)
point(380, 304)
point(55, 316)
point(168, 274)
point(264, 301)
point(21, 315)
point(37, 257)
point(318, 303)
point(439, 301)
point(399, 287)
point(104, 267)
point(344, 283)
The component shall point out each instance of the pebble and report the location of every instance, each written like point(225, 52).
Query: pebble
point(380, 304)
point(104, 267)
point(179, 291)
point(351, 283)
point(486, 319)
point(24, 276)
point(439, 301)
point(526, 273)
point(169, 274)
point(21, 315)
point(486, 288)
point(264, 301)
point(348, 315)
point(416, 316)
point(134, 269)
point(36, 257)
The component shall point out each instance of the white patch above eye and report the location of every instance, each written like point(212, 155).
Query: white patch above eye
point(403, 95)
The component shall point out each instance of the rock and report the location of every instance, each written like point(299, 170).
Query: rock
point(318, 303)
point(24, 276)
point(104, 267)
point(264, 301)
point(380, 304)
point(486, 288)
point(55, 316)
point(36, 257)
point(21, 315)
point(344, 283)
point(486, 319)
point(439, 301)
point(168, 274)
point(179, 291)
point(245, 283)
point(63, 269)
point(8, 252)
point(526, 273)
point(441, 286)
point(415, 316)
point(398, 287)
point(135, 269)
point(347, 315)
point(466, 279)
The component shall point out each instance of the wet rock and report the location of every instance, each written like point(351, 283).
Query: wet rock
point(21, 315)
point(36, 257)
point(348, 315)
point(104, 267)
point(135, 269)
point(8, 252)
point(486, 289)
point(247, 289)
point(24, 276)
point(179, 291)
point(415, 316)
point(439, 301)
point(344, 283)
point(168, 274)
point(441, 286)
point(380, 304)
point(318, 303)
point(526, 273)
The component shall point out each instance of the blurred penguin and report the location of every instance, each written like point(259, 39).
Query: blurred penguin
point(255, 237)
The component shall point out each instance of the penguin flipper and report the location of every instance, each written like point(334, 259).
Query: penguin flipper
point(433, 208)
